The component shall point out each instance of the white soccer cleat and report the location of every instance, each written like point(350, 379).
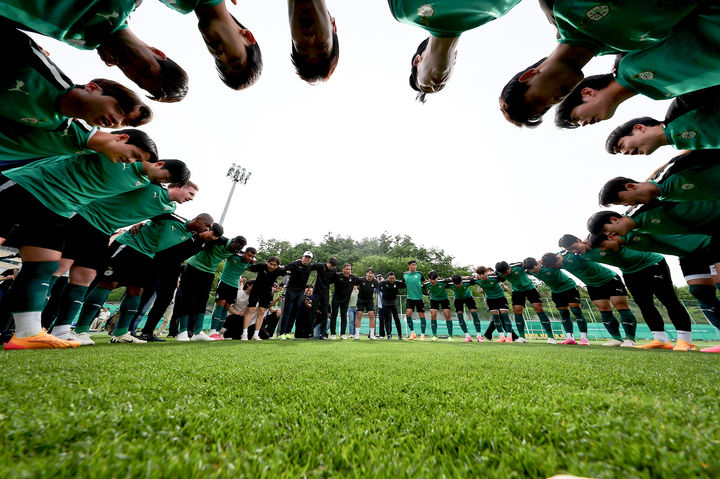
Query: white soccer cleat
point(126, 338)
point(201, 336)
point(182, 337)
point(84, 338)
point(520, 339)
point(333, 337)
point(244, 337)
point(613, 343)
point(628, 343)
point(551, 341)
point(357, 336)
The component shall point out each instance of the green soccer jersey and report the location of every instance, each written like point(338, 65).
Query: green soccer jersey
point(675, 245)
point(691, 184)
point(64, 184)
point(491, 287)
point(234, 268)
point(161, 233)
point(110, 214)
point(19, 143)
point(697, 129)
point(437, 291)
point(449, 18)
point(679, 217)
point(619, 26)
point(518, 278)
point(462, 291)
point(589, 272)
point(208, 259)
point(686, 61)
point(555, 279)
point(81, 23)
point(627, 260)
point(413, 284)
point(187, 6)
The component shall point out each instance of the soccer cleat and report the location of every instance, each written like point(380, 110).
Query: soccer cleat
point(217, 337)
point(201, 336)
point(126, 338)
point(613, 343)
point(500, 340)
point(255, 338)
point(343, 336)
point(434, 338)
point(333, 336)
point(551, 341)
point(422, 337)
point(41, 340)
point(357, 335)
point(242, 338)
point(373, 337)
point(628, 343)
point(468, 339)
point(412, 335)
point(584, 342)
point(83, 338)
point(150, 338)
point(713, 349)
point(480, 338)
point(520, 339)
point(681, 345)
point(450, 339)
point(655, 344)
point(569, 341)
point(182, 337)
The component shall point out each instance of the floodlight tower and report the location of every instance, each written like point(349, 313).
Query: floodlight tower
point(236, 175)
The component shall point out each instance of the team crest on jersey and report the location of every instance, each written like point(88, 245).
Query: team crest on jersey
point(75, 41)
point(138, 183)
point(687, 186)
point(637, 238)
point(597, 13)
point(655, 220)
point(108, 272)
point(648, 75)
point(32, 121)
point(19, 84)
point(425, 10)
point(688, 134)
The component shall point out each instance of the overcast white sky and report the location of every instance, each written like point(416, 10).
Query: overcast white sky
point(358, 155)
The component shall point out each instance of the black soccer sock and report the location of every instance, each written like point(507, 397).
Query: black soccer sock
point(520, 324)
point(629, 323)
point(611, 324)
point(566, 321)
point(545, 322)
point(580, 319)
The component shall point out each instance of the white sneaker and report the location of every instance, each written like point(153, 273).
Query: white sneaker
point(256, 338)
point(357, 336)
point(551, 341)
point(126, 338)
point(613, 343)
point(628, 343)
point(84, 338)
point(373, 337)
point(243, 337)
point(343, 336)
point(201, 336)
point(182, 337)
point(333, 337)
point(521, 340)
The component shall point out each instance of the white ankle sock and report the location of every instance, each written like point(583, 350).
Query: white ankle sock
point(244, 332)
point(27, 324)
point(256, 334)
point(685, 336)
point(583, 335)
point(660, 336)
point(64, 328)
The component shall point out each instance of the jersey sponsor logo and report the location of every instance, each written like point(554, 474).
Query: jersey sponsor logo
point(688, 134)
point(597, 13)
point(647, 75)
point(155, 195)
point(687, 186)
point(18, 87)
point(426, 10)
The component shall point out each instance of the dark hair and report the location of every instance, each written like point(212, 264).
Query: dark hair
point(411, 262)
point(513, 95)
point(626, 130)
point(174, 82)
point(596, 222)
point(456, 278)
point(432, 274)
point(248, 283)
point(274, 259)
point(413, 71)
point(391, 273)
point(347, 264)
point(596, 240)
point(481, 270)
point(143, 141)
point(250, 249)
point(566, 241)
point(126, 98)
point(369, 270)
point(239, 79)
point(501, 266)
point(565, 108)
point(609, 192)
point(333, 261)
point(529, 263)
point(217, 229)
point(240, 239)
point(179, 172)
point(316, 72)
point(549, 260)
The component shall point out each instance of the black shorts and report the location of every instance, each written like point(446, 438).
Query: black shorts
point(25, 221)
point(439, 304)
point(365, 305)
point(614, 287)
point(225, 292)
point(496, 303)
point(260, 299)
point(531, 295)
point(461, 302)
point(696, 266)
point(415, 305)
point(565, 298)
point(86, 245)
point(128, 267)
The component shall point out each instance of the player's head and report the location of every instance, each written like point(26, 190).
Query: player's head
point(237, 55)
point(237, 244)
point(433, 276)
point(202, 224)
point(573, 244)
point(167, 171)
point(315, 49)
point(147, 66)
point(502, 267)
point(307, 257)
point(531, 92)
point(106, 103)
point(247, 287)
point(369, 273)
point(627, 192)
point(552, 260)
point(610, 222)
point(127, 146)
point(180, 193)
point(530, 264)
point(635, 137)
point(430, 70)
point(391, 276)
point(412, 265)
point(273, 263)
point(482, 272)
point(347, 269)
point(332, 262)
point(588, 103)
point(249, 254)
point(456, 279)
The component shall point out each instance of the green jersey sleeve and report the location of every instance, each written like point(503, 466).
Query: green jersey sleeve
point(691, 184)
point(19, 142)
point(234, 268)
point(159, 234)
point(697, 129)
point(187, 6)
point(208, 259)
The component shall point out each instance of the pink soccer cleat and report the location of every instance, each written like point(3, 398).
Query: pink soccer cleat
point(714, 349)
point(468, 339)
point(584, 342)
point(217, 337)
point(569, 341)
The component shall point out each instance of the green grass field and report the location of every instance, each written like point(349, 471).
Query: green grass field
point(359, 409)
